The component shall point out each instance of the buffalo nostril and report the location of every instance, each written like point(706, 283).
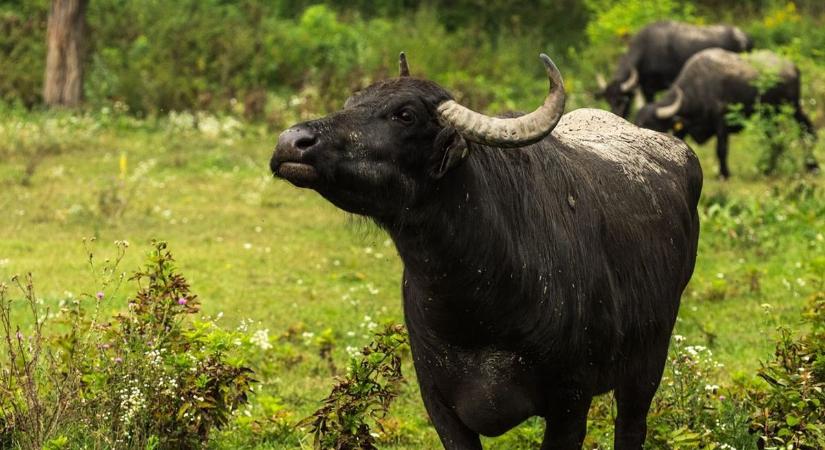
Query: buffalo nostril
point(305, 142)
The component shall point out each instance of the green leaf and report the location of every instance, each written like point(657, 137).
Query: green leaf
point(792, 420)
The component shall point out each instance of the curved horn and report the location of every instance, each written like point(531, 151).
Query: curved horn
point(630, 83)
point(511, 132)
point(666, 112)
point(601, 82)
point(403, 68)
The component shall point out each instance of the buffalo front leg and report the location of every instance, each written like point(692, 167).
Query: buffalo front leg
point(634, 393)
point(567, 424)
point(453, 433)
point(722, 150)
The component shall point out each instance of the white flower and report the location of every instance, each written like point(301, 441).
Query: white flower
point(307, 335)
point(261, 339)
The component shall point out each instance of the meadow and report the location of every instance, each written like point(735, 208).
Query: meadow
point(265, 255)
point(293, 288)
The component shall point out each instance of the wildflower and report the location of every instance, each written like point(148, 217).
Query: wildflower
point(99, 295)
point(118, 360)
point(182, 301)
point(307, 335)
point(261, 339)
point(19, 336)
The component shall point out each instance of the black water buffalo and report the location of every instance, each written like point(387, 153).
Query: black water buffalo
point(657, 53)
point(540, 269)
point(713, 80)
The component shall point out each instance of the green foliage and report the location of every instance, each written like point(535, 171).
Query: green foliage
point(259, 58)
point(147, 378)
point(22, 51)
point(790, 412)
point(359, 401)
point(774, 132)
point(619, 20)
point(690, 411)
point(37, 393)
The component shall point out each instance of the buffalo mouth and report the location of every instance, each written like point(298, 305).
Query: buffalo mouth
point(298, 173)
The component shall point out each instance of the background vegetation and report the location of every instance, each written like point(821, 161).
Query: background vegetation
point(184, 100)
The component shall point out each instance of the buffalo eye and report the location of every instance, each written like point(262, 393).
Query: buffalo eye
point(404, 116)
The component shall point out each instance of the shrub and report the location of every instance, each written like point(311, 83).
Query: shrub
point(149, 377)
point(690, 410)
point(22, 51)
point(782, 144)
point(361, 399)
point(38, 394)
point(790, 411)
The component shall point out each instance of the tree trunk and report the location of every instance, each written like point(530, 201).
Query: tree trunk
point(66, 40)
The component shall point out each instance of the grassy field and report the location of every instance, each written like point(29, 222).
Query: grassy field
point(257, 248)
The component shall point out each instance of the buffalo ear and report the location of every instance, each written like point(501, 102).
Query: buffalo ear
point(450, 150)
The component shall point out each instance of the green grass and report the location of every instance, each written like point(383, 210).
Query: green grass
point(257, 248)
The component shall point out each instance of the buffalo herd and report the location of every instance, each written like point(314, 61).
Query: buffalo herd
point(544, 254)
point(706, 70)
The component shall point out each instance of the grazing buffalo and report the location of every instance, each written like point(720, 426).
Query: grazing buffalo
point(656, 55)
point(544, 256)
point(713, 80)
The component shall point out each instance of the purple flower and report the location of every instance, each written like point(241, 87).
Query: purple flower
point(19, 336)
point(99, 295)
point(182, 301)
point(118, 360)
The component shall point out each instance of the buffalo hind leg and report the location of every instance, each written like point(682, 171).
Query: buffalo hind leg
point(567, 426)
point(634, 393)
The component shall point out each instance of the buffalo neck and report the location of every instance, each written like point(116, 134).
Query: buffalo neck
point(470, 250)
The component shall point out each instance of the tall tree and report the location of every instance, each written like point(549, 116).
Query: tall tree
point(66, 40)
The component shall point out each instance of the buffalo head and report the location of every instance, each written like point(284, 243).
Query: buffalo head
point(619, 93)
point(662, 115)
point(391, 143)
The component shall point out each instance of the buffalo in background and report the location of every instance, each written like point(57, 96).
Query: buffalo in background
point(711, 82)
point(657, 53)
point(544, 256)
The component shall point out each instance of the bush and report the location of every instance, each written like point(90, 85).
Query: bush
point(773, 131)
point(690, 410)
point(790, 411)
point(150, 377)
point(22, 51)
point(361, 399)
point(214, 55)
